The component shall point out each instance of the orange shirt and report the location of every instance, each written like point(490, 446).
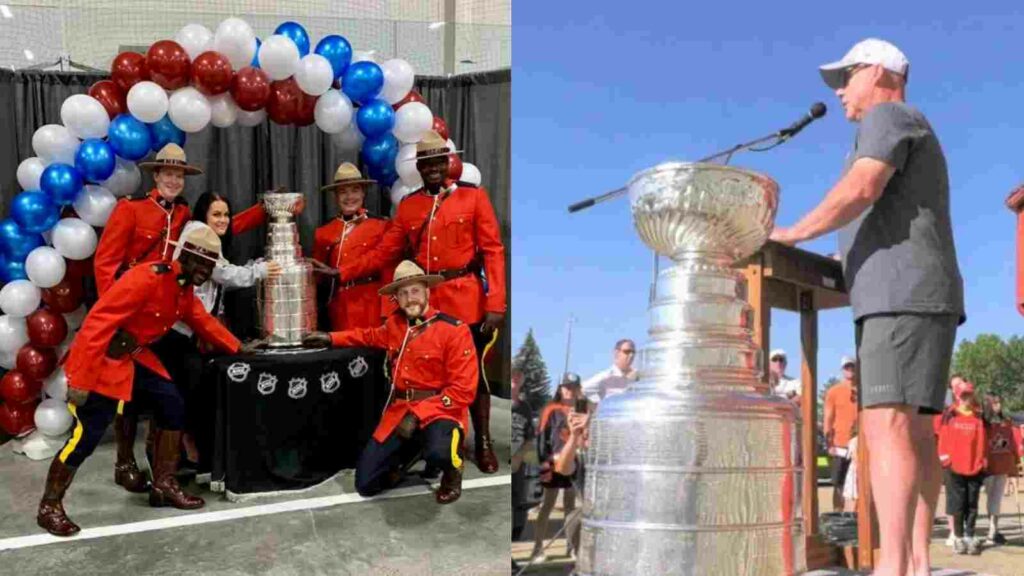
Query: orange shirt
point(841, 413)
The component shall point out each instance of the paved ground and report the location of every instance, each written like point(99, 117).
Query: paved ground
point(393, 536)
point(1005, 560)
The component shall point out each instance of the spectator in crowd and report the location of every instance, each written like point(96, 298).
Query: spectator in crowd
point(956, 381)
point(616, 379)
point(840, 419)
point(1002, 462)
point(523, 438)
point(554, 433)
point(849, 499)
point(782, 384)
point(570, 463)
point(962, 451)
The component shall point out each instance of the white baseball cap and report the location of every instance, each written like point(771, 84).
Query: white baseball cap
point(870, 51)
point(847, 361)
point(777, 353)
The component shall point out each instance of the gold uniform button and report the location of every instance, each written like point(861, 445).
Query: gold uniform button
point(433, 237)
point(435, 258)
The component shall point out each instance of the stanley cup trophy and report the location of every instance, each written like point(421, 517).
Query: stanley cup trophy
point(287, 303)
point(694, 471)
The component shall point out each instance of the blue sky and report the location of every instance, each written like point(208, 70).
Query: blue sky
point(603, 90)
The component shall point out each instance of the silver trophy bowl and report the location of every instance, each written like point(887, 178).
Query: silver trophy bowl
point(287, 303)
point(694, 471)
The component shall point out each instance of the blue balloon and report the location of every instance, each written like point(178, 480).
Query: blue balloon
point(297, 34)
point(338, 52)
point(15, 243)
point(95, 160)
point(375, 118)
point(362, 81)
point(256, 57)
point(34, 211)
point(129, 137)
point(163, 132)
point(380, 152)
point(61, 182)
point(11, 270)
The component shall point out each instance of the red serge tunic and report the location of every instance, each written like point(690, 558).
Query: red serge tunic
point(438, 356)
point(145, 302)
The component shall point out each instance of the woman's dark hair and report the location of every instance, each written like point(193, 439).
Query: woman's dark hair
point(202, 208)
point(990, 415)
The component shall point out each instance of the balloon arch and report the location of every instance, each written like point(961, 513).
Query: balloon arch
point(178, 87)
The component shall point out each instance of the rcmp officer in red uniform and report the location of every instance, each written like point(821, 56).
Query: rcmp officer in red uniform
point(434, 379)
point(140, 231)
point(109, 364)
point(354, 232)
point(449, 229)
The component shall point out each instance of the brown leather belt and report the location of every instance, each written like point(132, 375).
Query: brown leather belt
point(458, 272)
point(413, 395)
point(359, 281)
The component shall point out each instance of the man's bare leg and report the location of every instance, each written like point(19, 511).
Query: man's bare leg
point(895, 470)
point(928, 496)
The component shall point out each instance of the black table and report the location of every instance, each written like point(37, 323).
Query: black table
point(290, 420)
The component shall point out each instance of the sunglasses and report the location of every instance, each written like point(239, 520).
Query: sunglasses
point(627, 351)
point(853, 70)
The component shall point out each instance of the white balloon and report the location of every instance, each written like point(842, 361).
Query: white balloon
point(13, 334)
point(54, 143)
point(279, 57)
point(412, 121)
point(94, 205)
point(399, 191)
point(350, 139)
point(8, 360)
point(147, 101)
point(333, 111)
point(74, 239)
point(45, 267)
point(84, 116)
point(125, 179)
point(19, 298)
point(314, 74)
point(471, 174)
point(56, 384)
point(236, 41)
point(29, 172)
point(250, 119)
point(398, 80)
point(52, 417)
point(223, 110)
point(364, 56)
point(195, 39)
point(405, 165)
point(75, 318)
point(189, 109)
point(451, 145)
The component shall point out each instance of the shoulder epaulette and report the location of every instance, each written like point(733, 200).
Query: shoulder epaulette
point(138, 196)
point(375, 216)
point(462, 184)
point(449, 319)
point(161, 268)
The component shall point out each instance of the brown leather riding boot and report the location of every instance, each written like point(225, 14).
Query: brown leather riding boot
point(480, 413)
point(451, 486)
point(51, 515)
point(165, 490)
point(126, 471)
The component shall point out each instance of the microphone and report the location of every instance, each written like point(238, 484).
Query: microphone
point(817, 111)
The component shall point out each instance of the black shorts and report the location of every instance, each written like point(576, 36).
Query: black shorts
point(838, 467)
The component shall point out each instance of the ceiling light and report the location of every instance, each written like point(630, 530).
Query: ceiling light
point(5, 11)
point(29, 55)
point(435, 25)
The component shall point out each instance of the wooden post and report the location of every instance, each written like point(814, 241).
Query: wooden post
point(809, 408)
point(762, 317)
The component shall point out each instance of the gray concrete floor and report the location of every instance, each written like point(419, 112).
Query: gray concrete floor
point(409, 535)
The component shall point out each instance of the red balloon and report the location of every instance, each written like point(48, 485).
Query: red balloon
point(412, 96)
point(169, 65)
point(454, 166)
point(128, 69)
point(211, 73)
point(285, 101)
point(441, 127)
point(78, 269)
point(307, 108)
point(46, 328)
point(36, 363)
point(64, 297)
point(111, 96)
point(16, 419)
point(17, 389)
point(250, 89)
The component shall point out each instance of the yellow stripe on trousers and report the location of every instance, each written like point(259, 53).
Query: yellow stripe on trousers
point(456, 461)
point(120, 407)
point(76, 436)
point(487, 348)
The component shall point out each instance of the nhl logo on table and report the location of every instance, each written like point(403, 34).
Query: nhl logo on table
point(239, 371)
point(297, 388)
point(330, 382)
point(266, 384)
point(358, 367)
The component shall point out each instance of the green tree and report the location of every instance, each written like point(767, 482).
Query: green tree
point(536, 381)
point(994, 366)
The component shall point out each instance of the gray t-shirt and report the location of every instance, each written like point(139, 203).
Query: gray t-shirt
point(898, 256)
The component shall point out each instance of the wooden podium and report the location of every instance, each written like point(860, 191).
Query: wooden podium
point(780, 276)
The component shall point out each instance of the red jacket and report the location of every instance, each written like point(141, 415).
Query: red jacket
point(462, 226)
point(438, 356)
point(359, 305)
point(1003, 450)
point(145, 302)
point(140, 227)
point(963, 443)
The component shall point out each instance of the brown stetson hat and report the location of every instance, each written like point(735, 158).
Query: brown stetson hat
point(432, 146)
point(407, 273)
point(347, 173)
point(171, 156)
point(201, 241)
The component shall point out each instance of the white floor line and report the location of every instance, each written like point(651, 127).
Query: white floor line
point(234, 514)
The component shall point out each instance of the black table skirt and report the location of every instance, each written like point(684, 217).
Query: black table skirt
point(290, 420)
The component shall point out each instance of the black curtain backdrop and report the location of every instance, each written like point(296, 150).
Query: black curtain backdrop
point(242, 163)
